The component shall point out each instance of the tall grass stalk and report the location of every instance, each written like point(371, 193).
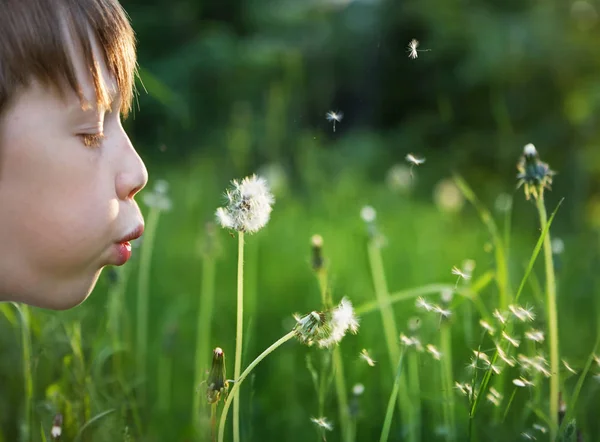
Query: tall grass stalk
point(165, 370)
point(238, 337)
point(391, 332)
point(415, 391)
point(239, 380)
point(203, 332)
point(389, 413)
point(143, 296)
point(116, 310)
point(25, 317)
point(342, 395)
point(502, 275)
point(552, 318)
point(488, 373)
point(447, 380)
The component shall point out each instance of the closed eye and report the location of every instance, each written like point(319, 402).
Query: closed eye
point(92, 140)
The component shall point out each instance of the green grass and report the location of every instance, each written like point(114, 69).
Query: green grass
point(93, 378)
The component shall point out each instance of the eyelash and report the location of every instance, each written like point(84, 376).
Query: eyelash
point(92, 140)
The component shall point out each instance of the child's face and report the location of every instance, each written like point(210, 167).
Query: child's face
point(64, 205)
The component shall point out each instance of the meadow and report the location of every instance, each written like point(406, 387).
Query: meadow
point(133, 362)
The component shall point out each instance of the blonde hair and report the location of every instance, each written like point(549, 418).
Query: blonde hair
point(33, 45)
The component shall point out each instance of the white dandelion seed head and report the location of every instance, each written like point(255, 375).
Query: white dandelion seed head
point(334, 116)
point(249, 205)
point(529, 150)
point(56, 431)
point(316, 240)
point(412, 159)
point(322, 422)
point(158, 198)
point(358, 389)
point(558, 246)
point(368, 214)
point(342, 320)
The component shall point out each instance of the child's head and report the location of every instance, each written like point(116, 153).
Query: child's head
point(68, 172)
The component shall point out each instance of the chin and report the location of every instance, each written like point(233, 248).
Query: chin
point(68, 296)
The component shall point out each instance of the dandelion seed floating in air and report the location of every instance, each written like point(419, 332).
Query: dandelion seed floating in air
point(568, 367)
point(412, 49)
point(334, 117)
point(364, 355)
point(434, 352)
point(322, 422)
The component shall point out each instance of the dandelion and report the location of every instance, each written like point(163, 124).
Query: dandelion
point(399, 178)
point(421, 303)
point(412, 49)
point(535, 335)
point(487, 327)
point(568, 367)
point(322, 422)
point(512, 341)
point(364, 355)
point(521, 313)
point(217, 384)
point(334, 117)
point(157, 198)
point(434, 352)
point(358, 389)
point(534, 174)
point(326, 328)
point(522, 382)
point(57, 424)
point(368, 214)
point(248, 205)
point(500, 317)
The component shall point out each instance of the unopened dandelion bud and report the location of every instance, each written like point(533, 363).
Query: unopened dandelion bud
point(56, 430)
point(249, 205)
point(534, 174)
point(217, 384)
point(317, 252)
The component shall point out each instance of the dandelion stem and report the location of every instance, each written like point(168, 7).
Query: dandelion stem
point(552, 319)
point(391, 331)
point(415, 391)
point(238, 337)
point(213, 422)
point(246, 372)
point(447, 380)
point(203, 331)
point(340, 387)
point(387, 423)
point(143, 298)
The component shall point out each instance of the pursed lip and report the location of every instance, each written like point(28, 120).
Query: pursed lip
point(135, 234)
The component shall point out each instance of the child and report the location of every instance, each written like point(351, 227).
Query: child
point(68, 172)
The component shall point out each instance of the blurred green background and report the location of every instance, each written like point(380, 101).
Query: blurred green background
point(235, 87)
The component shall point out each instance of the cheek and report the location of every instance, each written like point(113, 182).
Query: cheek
point(60, 199)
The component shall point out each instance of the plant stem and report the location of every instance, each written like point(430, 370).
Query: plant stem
point(552, 319)
point(238, 337)
point(240, 380)
point(387, 423)
point(164, 382)
point(391, 332)
point(143, 298)
point(213, 422)
point(447, 380)
point(203, 332)
point(340, 387)
point(415, 390)
point(27, 369)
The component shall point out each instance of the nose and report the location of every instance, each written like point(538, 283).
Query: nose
point(133, 175)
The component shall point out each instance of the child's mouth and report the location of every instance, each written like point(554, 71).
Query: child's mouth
point(123, 253)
